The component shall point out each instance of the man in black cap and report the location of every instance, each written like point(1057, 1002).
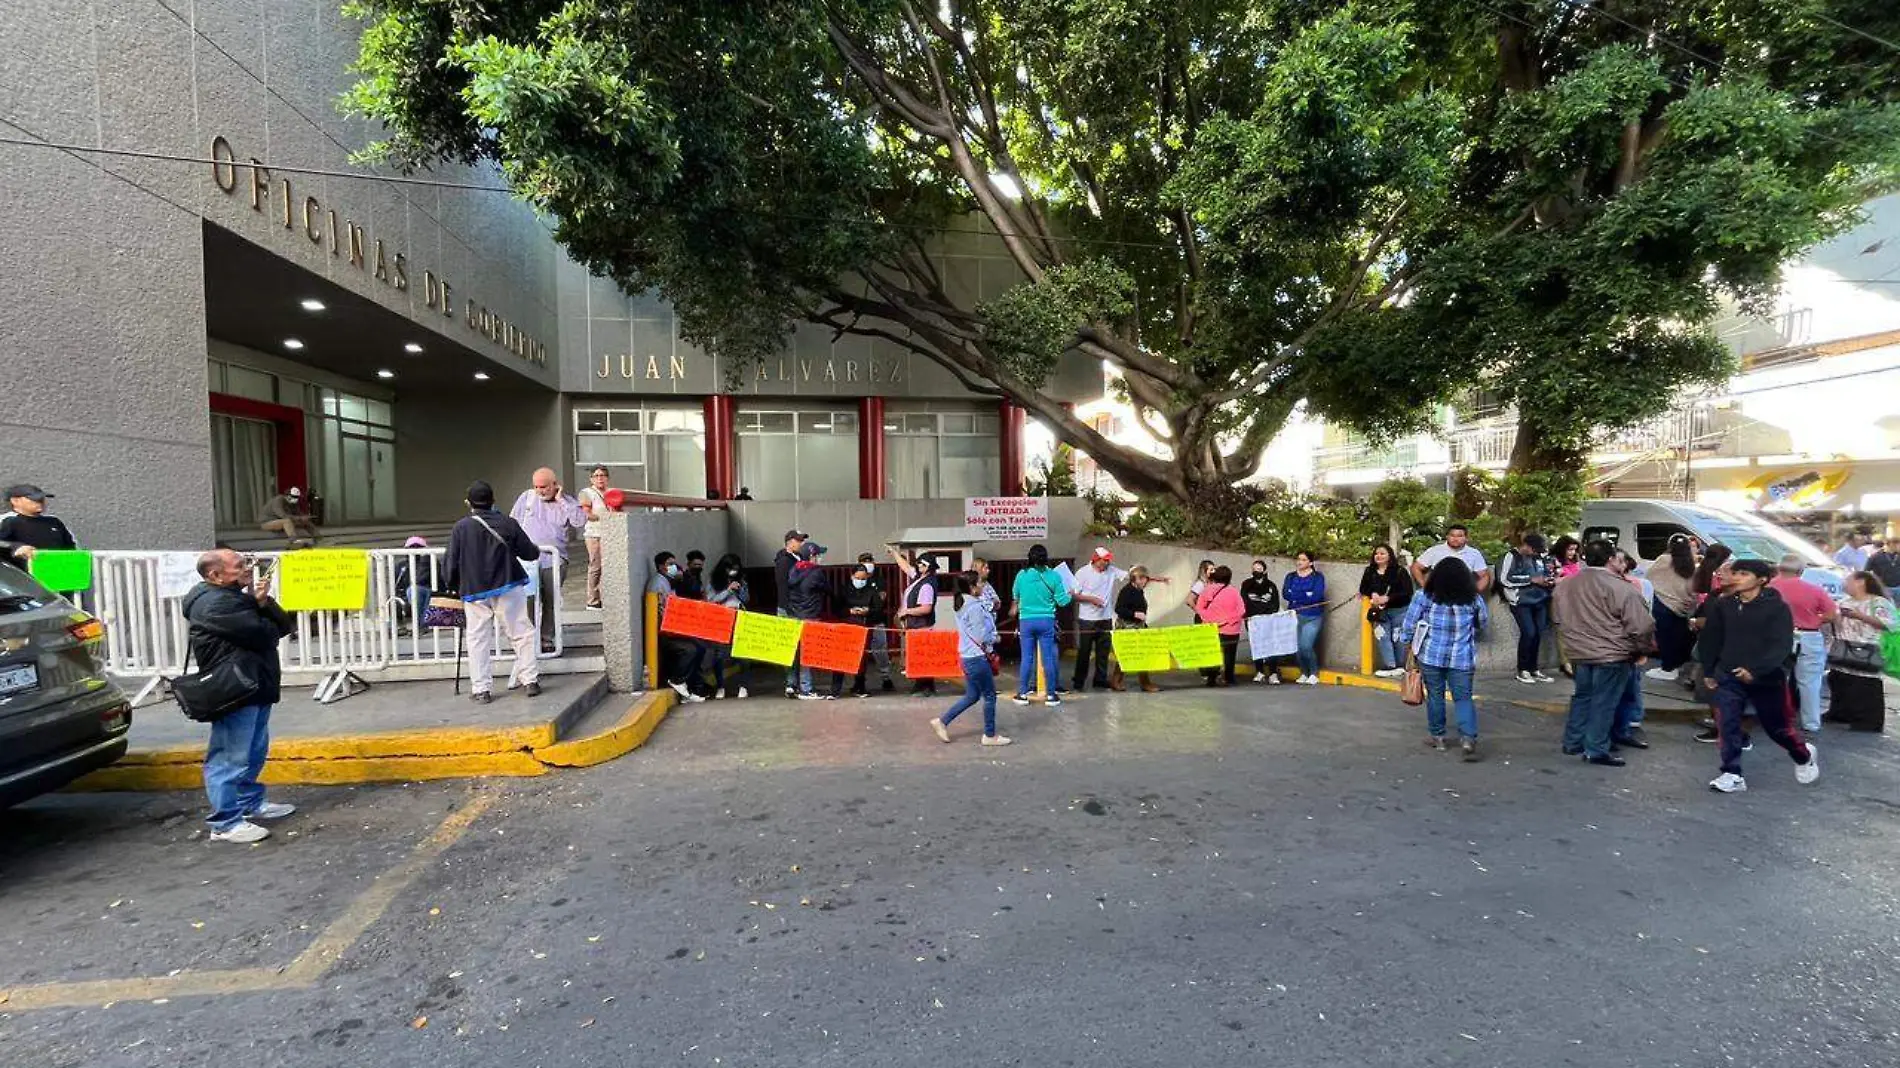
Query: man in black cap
point(782, 565)
point(26, 528)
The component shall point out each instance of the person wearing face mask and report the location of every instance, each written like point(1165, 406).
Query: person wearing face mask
point(864, 607)
point(808, 587)
point(729, 588)
point(879, 645)
point(1262, 598)
point(680, 660)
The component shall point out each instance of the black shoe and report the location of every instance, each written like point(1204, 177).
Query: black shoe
point(1606, 760)
point(1630, 740)
point(1636, 731)
point(889, 686)
point(533, 689)
point(1707, 734)
point(1572, 752)
point(481, 698)
point(1075, 687)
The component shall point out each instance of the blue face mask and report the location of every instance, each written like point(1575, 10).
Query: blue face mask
point(860, 583)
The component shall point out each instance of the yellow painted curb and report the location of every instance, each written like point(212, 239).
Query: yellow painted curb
point(627, 733)
point(438, 742)
point(339, 772)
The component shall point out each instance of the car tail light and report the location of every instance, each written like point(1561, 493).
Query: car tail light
point(89, 631)
point(115, 716)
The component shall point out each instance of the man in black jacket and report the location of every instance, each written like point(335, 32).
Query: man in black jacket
point(782, 564)
point(864, 607)
point(487, 567)
point(806, 586)
point(231, 622)
point(1745, 648)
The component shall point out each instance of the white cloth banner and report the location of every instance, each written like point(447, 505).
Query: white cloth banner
point(1273, 635)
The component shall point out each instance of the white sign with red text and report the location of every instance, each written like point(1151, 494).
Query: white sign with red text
point(1008, 518)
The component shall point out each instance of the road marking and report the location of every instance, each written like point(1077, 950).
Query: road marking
point(301, 973)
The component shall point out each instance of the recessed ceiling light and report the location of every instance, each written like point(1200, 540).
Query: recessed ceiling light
point(311, 304)
point(481, 376)
point(385, 374)
point(411, 347)
point(292, 344)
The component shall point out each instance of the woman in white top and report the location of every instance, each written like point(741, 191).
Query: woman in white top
point(1866, 617)
point(594, 506)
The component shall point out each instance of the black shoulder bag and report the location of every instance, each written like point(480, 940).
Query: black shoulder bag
point(209, 696)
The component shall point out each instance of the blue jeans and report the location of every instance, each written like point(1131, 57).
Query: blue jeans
point(1600, 688)
point(235, 758)
point(1308, 655)
point(793, 680)
point(979, 684)
point(1437, 679)
point(1810, 673)
point(1038, 638)
point(1629, 707)
point(1533, 621)
point(1389, 651)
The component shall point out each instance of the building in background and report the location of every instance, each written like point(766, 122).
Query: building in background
point(188, 337)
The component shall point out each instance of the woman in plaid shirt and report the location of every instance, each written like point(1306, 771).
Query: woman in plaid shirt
point(1453, 614)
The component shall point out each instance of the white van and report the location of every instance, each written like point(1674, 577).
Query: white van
point(1645, 526)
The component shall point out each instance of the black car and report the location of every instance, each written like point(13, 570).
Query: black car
point(59, 716)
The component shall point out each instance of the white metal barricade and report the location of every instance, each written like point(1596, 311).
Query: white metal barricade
point(139, 597)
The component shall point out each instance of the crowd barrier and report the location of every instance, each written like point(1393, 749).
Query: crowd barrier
point(139, 597)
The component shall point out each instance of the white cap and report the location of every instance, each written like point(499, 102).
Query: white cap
point(293, 492)
point(1102, 553)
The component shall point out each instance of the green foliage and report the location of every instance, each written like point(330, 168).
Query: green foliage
point(1243, 205)
point(1411, 508)
point(1054, 477)
point(1288, 523)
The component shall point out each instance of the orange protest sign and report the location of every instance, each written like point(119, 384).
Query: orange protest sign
point(832, 646)
point(931, 654)
point(698, 619)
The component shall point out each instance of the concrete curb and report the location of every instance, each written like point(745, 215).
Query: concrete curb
point(406, 756)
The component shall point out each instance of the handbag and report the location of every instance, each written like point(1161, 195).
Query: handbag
point(1857, 656)
point(444, 613)
point(1412, 687)
point(209, 696)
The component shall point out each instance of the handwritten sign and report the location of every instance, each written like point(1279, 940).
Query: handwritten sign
point(323, 580)
point(1067, 576)
point(1141, 650)
point(833, 646)
point(1273, 635)
point(931, 654)
point(62, 570)
point(1008, 518)
point(770, 639)
point(698, 619)
point(1194, 646)
point(177, 574)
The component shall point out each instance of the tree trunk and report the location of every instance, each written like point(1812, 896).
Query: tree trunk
point(1532, 451)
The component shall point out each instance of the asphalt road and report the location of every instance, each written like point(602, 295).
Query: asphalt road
point(1243, 877)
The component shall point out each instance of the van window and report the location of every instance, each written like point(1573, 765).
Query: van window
point(1609, 534)
point(1652, 539)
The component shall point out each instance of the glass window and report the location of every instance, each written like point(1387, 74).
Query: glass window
point(827, 468)
point(816, 422)
point(844, 422)
point(378, 412)
point(776, 423)
point(590, 420)
point(798, 455)
point(920, 424)
point(681, 465)
point(351, 407)
point(676, 421)
point(959, 424)
point(625, 421)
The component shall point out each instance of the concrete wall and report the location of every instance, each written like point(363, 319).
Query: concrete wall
point(628, 542)
point(1339, 641)
point(447, 439)
point(104, 331)
point(850, 527)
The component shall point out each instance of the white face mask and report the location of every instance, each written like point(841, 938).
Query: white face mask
point(860, 583)
point(673, 571)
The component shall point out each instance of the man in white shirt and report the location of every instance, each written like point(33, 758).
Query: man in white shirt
point(1457, 543)
point(594, 504)
point(1095, 615)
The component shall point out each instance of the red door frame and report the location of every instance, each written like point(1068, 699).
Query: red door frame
point(291, 469)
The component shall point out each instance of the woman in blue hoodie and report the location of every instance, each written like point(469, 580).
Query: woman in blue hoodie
point(976, 637)
point(1305, 592)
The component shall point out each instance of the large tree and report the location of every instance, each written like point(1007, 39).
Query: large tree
point(1241, 205)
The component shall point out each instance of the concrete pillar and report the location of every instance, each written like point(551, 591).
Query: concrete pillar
point(623, 574)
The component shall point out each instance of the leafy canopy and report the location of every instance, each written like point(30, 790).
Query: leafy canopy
point(1240, 205)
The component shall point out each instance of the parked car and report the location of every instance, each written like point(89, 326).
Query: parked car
point(60, 717)
point(1645, 526)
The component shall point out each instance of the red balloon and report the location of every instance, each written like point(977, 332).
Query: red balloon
point(614, 498)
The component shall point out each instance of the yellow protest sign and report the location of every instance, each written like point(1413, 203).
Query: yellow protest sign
point(323, 580)
point(771, 639)
point(1141, 650)
point(1194, 646)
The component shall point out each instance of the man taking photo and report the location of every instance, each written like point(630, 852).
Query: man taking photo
point(230, 621)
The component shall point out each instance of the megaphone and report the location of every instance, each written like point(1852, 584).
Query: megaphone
point(614, 498)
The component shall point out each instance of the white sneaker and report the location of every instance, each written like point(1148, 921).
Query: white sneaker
point(943, 732)
point(1021, 699)
point(1259, 677)
point(810, 697)
point(1807, 773)
point(995, 739)
point(1527, 678)
point(692, 698)
point(1309, 680)
point(1273, 678)
point(1541, 677)
point(719, 694)
point(682, 689)
point(244, 833)
point(1660, 675)
point(1392, 673)
point(1729, 783)
point(271, 810)
point(741, 695)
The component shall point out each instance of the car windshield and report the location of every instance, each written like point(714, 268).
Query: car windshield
point(18, 591)
point(1752, 537)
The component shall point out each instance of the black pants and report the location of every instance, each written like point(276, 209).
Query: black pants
point(1229, 649)
point(1774, 710)
point(1092, 642)
point(1859, 702)
point(548, 617)
point(1673, 637)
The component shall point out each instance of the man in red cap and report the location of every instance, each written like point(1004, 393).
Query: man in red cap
point(1095, 615)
